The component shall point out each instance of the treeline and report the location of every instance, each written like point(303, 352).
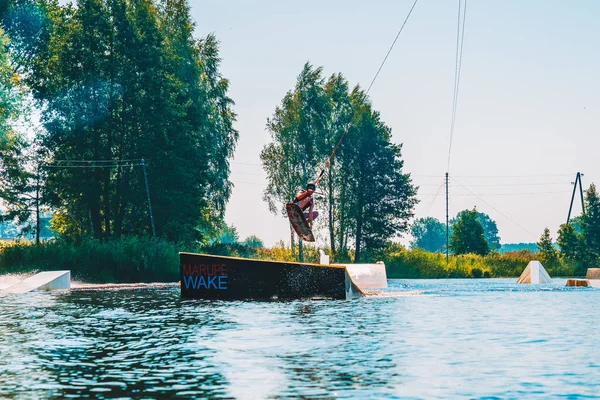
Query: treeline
point(420, 264)
point(578, 240)
point(471, 231)
point(145, 259)
point(367, 197)
point(134, 113)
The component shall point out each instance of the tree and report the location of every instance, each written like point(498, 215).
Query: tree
point(369, 197)
point(341, 112)
point(572, 248)
point(579, 241)
point(590, 222)
point(467, 234)
point(428, 234)
point(126, 80)
point(254, 242)
point(490, 231)
point(229, 235)
point(290, 160)
point(18, 189)
point(546, 250)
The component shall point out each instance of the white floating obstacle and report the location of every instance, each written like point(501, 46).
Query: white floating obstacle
point(534, 273)
point(49, 280)
point(593, 273)
point(367, 276)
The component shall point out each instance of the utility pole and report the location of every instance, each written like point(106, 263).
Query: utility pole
point(148, 195)
point(447, 226)
point(577, 180)
point(37, 204)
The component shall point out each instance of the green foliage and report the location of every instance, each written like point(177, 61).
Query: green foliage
point(229, 235)
point(420, 264)
point(590, 222)
point(368, 197)
point(490, 231)
point(126, 80)
point(130, 259)
point(579, 241)
point(467, 234)
point(546, 250)
point(17, 184)
point(254, 241)
point(141, 259)
point(428, 234)
point(509, 247)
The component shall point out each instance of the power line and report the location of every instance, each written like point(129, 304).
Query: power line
point(510, 176)
point(249, 183)
point(497, 194)
point(246, 163)
point(97, 161)
point(494, 208)
point(428, 207)
point(496, 176)
point(90, 166)
point(520, 184)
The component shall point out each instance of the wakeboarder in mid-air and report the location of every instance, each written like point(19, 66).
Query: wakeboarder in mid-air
point(301, 219)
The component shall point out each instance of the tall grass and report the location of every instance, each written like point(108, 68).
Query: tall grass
point(130, 259)
point(140, 259)
point(422, 264)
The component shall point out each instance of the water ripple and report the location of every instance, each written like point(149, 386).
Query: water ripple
point(450, 338)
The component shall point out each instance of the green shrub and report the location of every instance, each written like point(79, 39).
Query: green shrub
point(130, 259)
point(142, 259)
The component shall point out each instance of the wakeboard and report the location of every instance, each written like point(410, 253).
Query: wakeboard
point(299, 223)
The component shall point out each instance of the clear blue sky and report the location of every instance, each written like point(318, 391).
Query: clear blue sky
point(529, 101)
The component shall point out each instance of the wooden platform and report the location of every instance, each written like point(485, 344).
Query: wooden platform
point(595, 283)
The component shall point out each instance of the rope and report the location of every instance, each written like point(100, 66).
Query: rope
point(366, 94)
point(457, 69)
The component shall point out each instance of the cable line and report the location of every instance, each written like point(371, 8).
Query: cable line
point(494, 208)
point(392, 46)
point(498, 194)
point(428, 206)
point(460, 36)
point(90, 166)
point(366, 93)
point(97, 161)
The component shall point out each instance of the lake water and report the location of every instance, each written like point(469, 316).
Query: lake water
point(445, 339)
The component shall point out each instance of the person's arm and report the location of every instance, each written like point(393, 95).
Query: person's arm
point(299, 196)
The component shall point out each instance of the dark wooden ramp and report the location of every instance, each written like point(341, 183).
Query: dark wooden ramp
point(206, 276)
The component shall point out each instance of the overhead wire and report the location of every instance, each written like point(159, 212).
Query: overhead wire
point(494, 208)
point(90, 166)
point(499, 194)
point(366, 93)
point(392, 46)
point(460, 36)
point(428, 206)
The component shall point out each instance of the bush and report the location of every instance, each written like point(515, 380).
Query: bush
point(421, 264)
point(130, 259)
point(142, 259)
